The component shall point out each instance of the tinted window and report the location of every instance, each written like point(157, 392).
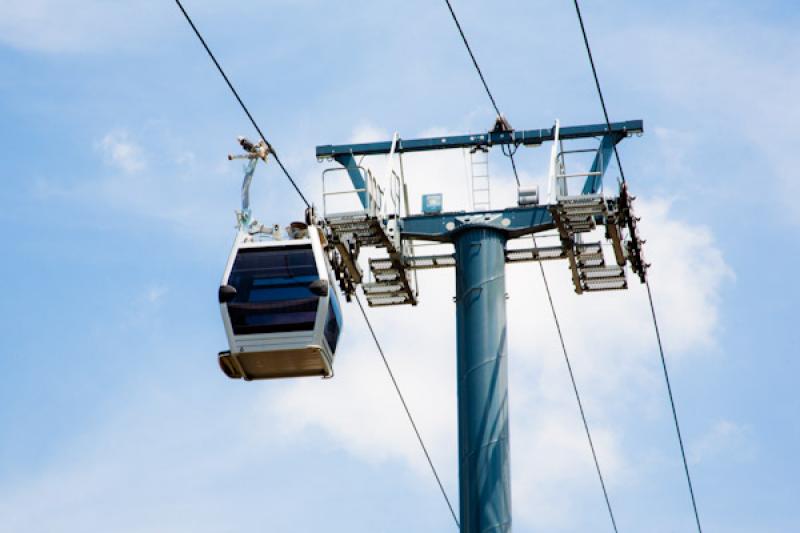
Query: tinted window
point(332, 326)
point(272, 292)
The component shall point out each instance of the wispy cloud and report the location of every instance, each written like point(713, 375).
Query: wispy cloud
point(89, 25)
point(182, 192)
point(724, 441)
point(722, 86)
point(155, 293)
point(123, 153)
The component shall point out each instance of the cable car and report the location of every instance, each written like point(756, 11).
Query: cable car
point(281, 313)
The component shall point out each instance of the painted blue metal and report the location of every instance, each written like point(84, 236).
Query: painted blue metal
point(526, 137)
point(432, 203)
point(245, 218)
point(483, 439)
point(600, 163)
point(514, 222)
point(479, 239)
point(349, 162)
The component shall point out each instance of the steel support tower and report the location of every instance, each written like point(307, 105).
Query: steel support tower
point(483, 453)
point(479, 239)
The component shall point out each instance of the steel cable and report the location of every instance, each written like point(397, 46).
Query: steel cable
point(577, 394)
point(302, 196)
point(510, 155)
point(647, 281)
point(241, 103)
point(407, 410)
point(672, 405)
point(597, 84)
point(483, 80)
point(471, 55)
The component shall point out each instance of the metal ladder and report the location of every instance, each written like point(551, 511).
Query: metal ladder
point(479, 173)
point(390, 283)
point(393, 281)
point(575, 215)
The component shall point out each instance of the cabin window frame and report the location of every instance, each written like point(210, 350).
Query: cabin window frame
point(253, 316)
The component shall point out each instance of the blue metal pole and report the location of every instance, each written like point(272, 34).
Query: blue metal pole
point(484, 473)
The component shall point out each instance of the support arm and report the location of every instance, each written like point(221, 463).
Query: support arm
point(525, 137)
point(349, 162)
point(601, 161)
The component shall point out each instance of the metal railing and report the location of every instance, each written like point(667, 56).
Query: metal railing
point(562, 177)
point(372, 192)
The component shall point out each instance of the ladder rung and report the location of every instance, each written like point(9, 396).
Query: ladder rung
point(589, 256)
point(394, 300)
point(580, 199)
point(382, 287)
point(582, 211)
point(381, 264)
point(590, 248)
point(535, 254)
point(605, 287)
point(432, 261)
point(601, 273)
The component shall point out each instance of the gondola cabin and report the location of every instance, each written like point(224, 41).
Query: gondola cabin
point(280, 308)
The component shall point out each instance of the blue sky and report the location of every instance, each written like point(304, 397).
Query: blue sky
point(118, 216)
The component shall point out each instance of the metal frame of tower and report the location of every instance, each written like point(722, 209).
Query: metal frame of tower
point(479, 238)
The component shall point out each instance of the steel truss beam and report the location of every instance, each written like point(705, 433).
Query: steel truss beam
point(524, 137)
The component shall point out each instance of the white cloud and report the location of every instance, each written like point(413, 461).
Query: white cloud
point(724, 441)
point(676, 152)
point(367, 132)
point(183, 192)
point(155, 293)
point(148, 469)
point(122, 152)
point(551, 458)
point(712, 77)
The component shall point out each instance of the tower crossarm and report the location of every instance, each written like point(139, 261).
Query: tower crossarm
point(513, 222)
point(573, 209)
point(516, 137)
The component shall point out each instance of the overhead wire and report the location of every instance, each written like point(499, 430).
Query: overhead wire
point(474, 61)
point(302, 196)
point(483, 81)
point(514, 168)
point(672, 405)
point(597, 85)
point(510, 155)
point(647, 282)
point(407, 410)
point(241, 103)
point(577, 395)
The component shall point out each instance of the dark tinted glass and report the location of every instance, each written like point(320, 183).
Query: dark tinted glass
point(272, 292)
point(332, 326)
